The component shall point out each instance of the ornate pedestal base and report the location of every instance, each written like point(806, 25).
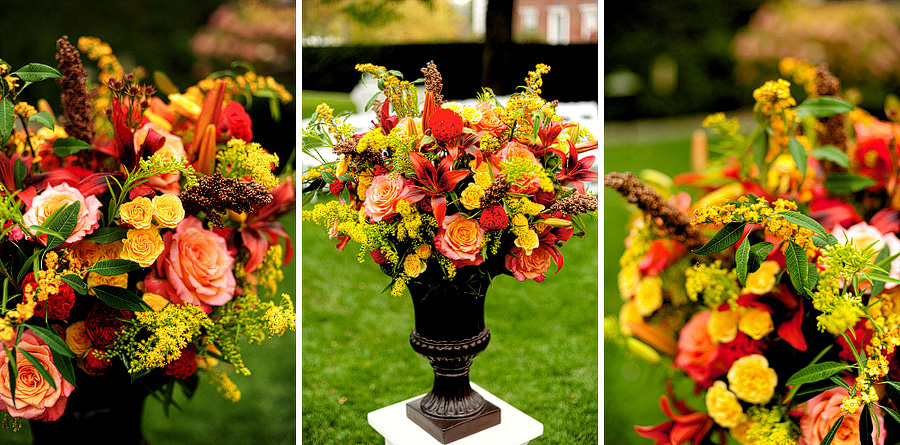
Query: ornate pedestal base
point(449, 430)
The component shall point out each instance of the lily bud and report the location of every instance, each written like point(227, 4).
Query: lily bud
point(428, 110)
point(557, 222)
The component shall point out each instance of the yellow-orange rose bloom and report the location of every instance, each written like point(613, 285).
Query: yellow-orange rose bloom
point(156, 301)
point(527, 241)
point(94, 279)
point(167, 210)
point(87, 252)
point(628, 314)
point(77, 338)
point(110, 251)
point(424, 251)
point(649, 295)
point(142, 246)
point(756, 323)
point(762, 281)
point(723, 325)
point(471, 196)
point(752, 380)
point(137, 213)
point(723, 406)
point(413, 266)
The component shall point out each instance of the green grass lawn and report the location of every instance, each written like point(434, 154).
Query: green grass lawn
point(266, 413)
point(542, 358)
point(312, 99)
point(632, 387)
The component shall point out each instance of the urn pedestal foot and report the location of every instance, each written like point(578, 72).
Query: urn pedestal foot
point(447, 430)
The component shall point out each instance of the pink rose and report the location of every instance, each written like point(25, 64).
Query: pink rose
point(698, 353)
point(55, 197)
point(35, 398)
point(172, 148)
point(197, 265)
point(863, 234)
point(384, 194)
point(823, 410)
point(460, 239)
point(529, 267)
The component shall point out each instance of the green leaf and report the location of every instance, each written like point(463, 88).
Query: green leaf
point(723, 239)
point(39, 366)
point(823, 106)
point(839, 381)
point(119, 298)
point(44, 118)
point(831, 433)
point(64, 365)
point(833, 154)
point(865, 425)
point(760, 147)
point(795, 259)
point(803, 221)
point(109, 268)
point(76, 283)
point(26, 267)
point(844, 183)
point(799, 154)
point(13, 373)
point(106, 235)
point(891, 412)
point(758, 253)
point(742, 257)
point(816, 372)
point(64, 224)
point(36, 72)
point(883, 255)
point(19, 172)
point(68, 146)
point(7, 118)
point(812, 276)
point(52, 339)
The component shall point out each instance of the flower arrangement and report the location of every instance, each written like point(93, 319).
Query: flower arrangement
point(773, 287)
point(445, 187)
point(140, 235)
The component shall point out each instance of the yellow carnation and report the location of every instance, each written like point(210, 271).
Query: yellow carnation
point(142, 246)
point(138, 213)
point(722, 326)
point(722, 405)
point(756, 323)
point(762, 281)
point(168, 210)
point(649, 295)
point(471, 196)
point(752, 380)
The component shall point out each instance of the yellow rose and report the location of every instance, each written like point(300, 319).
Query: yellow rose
point(138, 213)
point(629, 314)
point(528, 241)
point(649, 295)
point(752, 380)
point(629, 278)
point(168, 210)
point(142, 246)
point(762, 281)
point(94, 279)
point(756, 323)
point(110, 251)
point(722, 405)
point(722, 326)
point(156, 301)
point(413, 266)
point(471, 196)
point(363, 184)
point(483, 178)
point(77, 338)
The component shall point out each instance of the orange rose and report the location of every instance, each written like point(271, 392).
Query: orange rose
point(142, 246)
point(35, 398)
point(94, 279)
point(382, 196)
point(87, 252)
point(413, 265)
point(822, 411)
point(55, 197)
point(460, 239)
point(529, 267)
point(77, 339)
point(168, 210)
point(137, 213)
point(198, 266)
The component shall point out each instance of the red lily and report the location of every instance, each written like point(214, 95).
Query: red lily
point(388, 122)
point(124, 137)
point(8, 170)
point(260, 232)
point(577, 171)
point(689, 425)
point(435, 182)
point(467, 144)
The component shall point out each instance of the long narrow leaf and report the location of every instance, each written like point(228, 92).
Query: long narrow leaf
point(816, 372)
point(13, 373)
point(803, 221)
point(723, 239)
point(64, 365)
point(831, 433)
point(52, 340)
point(39, 366)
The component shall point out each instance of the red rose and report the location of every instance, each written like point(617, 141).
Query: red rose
point(185, 365)
point(234, 122)
point(56, 306)
point(102, 324)
point(445, 125)
point(95, 362)
point(494, 218)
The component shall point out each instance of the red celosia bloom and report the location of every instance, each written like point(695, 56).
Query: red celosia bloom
point(380, 170)
point(185, 365)
point(494, 218)
point(336, 187)
point(687, 426)
point(58, 305)
point(445, 125)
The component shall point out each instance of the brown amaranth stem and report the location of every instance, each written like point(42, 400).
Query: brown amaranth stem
point(666, 215)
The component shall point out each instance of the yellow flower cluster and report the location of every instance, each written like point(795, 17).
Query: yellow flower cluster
point(374, 141)
point(402, 94)
point(522, 171)
point(719, 124)
point(802, 72)
point(23, 109)
point(249, 82)
point(163, 335)
point(97, 50)
point(239, 159)
point(224, 384)
point(282, 317)
point(410, 222)
point(766, 426)
point(534, 80)
point(316, 172)
point(883, 322)
point(774, 96)
point(762, 213)
point(266, 276)
point(840, 310)
point(715, 284)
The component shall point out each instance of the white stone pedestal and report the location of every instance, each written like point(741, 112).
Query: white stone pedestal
point(515, 428)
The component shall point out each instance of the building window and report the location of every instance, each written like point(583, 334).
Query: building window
point(528, 16)
point(589, 20)
point(558, 25)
